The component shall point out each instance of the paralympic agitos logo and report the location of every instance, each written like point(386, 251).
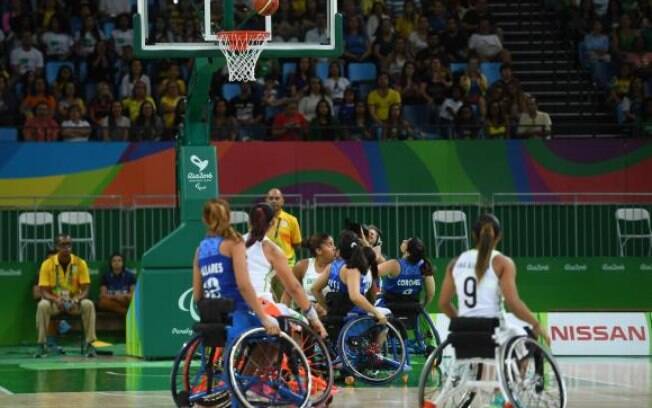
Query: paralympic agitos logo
point(187, 303)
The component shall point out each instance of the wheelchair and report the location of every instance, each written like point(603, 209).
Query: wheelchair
point(484, 363)
point(371, 352)
point(414, 322)
point(257, 369)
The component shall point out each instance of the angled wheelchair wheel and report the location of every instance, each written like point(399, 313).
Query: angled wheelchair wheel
point(426, 338)
point(197, 376)
point(316, 352)
point(269, 371)
point(442, 375)
point(372, 352)
point(530, 376)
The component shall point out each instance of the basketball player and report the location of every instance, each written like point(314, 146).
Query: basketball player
point(482, 277)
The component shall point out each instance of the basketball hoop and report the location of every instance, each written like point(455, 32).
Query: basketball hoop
point(242, 49)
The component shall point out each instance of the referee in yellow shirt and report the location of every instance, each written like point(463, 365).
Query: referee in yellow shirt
point(285, 231)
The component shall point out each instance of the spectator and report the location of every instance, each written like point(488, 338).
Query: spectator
point(136, 74)
point(419, 38)
point(413, 91)
point(64, 76)
point(486, 44)
point(454, 42)
point(362, 126)
point(397, 128)
point(308, 104)
point(336, 84)
point(375, 19)
point(173, 74)
point(467, 125)
point(624, 37)
point(449, 109)
point(26, 58)
point(324, 127)
point(289, 125)
point(475, 86)
point(507, 78)
point(620, 84)
point(285, 231)
point(632, 104)
point(100, 67)
point(645, 121)
point(75, 129)
point(148, 126)
point(169, 103)
point(49, 9)
point(497, 124)
point(122, 35)
point(38, 94)
point(64, 282)
point(115, 126)
point(437, 16)
point(398, 57)
point(87, 38)
point(117, 287)
point(69, 99)
point(138, 96)
point(113, 8)
point(299, 82)
point(437, 83)
point(472, 19)
point(356, 46)
point(346, 111)
point(101, 105)
point(8, 104)
point(381, 99)
point(223, 126)
point(384, 44)
point(597, 44)
point(434, 50)
point(270, 93)
point(319, 34)
point(408, 20)
point(534, 123)
point(248, 111)
point(41, 127)
point(58, 43)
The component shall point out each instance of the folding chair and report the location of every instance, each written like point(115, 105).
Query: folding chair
point(639, 216)
point(449, 217)
point(78, 219)
point(34, 221)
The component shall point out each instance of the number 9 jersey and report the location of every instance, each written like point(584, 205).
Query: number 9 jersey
point(476, 299)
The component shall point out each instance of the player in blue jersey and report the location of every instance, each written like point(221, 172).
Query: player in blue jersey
point(220, 271)
point(405, 278)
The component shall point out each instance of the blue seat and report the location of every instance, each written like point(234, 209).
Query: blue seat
point(52, 70)
point(362, 72)
point(8, 134)
point(458, 66)
point(491, 70)
point(230, 91)
point(321, 70)
point(107, 28)
point(288, 69)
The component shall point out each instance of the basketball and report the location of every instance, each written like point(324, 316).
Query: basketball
point(265, 7)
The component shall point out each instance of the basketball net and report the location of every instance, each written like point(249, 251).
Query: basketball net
point(242, 50)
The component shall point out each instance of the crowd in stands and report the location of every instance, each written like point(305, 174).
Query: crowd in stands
point(411, 69)
point(614, 43)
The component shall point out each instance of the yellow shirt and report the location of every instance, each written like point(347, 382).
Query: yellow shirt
point(286, 234)
point(382, 104)
point(70, 280)
point(169, 103)
point(133, 106)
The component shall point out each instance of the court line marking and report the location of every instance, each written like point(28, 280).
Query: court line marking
point(3, 390)
point(140, 375)
point(597, 382)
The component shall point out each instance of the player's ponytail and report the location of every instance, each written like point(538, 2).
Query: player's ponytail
point(356, 255)
point(487, 233)
point(217, 217)
point(260, 218)
point(417, 256)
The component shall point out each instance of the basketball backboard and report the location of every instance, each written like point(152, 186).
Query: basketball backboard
point(191, 27)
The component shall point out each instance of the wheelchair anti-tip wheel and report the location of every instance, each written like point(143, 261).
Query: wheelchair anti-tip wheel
point(317, 354)
point(267, 371)
point(530, 375)
point(434, 380)
point(372, 352)
point(197, 376)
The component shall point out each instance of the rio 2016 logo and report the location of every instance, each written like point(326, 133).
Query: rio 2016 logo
point(187, 303)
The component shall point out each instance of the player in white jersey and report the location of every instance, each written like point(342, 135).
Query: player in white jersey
point(482, 277)
point(322, 249)
point(266, 260)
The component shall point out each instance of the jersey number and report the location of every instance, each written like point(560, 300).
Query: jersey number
point(470, 292)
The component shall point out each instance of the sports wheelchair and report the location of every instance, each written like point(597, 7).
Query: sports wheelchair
point(483, 362)
point(416, 327)
point(371, 352)
point(257, 369)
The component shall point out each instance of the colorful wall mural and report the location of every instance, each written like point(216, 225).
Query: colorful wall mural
point(129, 170)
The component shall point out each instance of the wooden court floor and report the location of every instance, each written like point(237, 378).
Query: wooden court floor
point(592, 383)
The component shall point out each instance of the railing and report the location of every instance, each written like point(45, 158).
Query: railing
point(534, 225)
